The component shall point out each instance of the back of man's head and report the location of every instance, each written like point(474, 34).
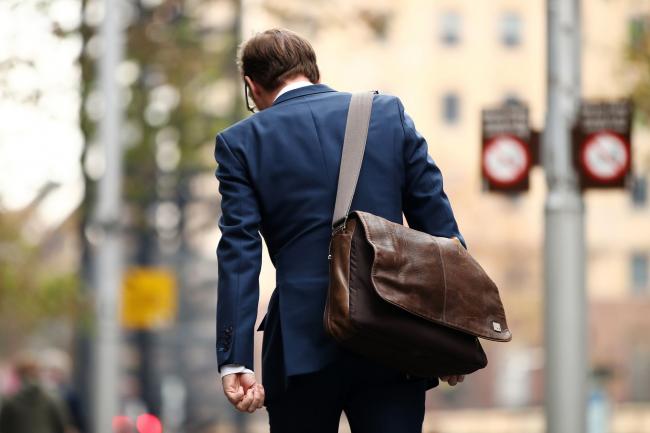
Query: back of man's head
point(275, 55)
point(27, 368)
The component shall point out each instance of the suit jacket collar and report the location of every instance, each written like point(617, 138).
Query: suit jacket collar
point(303, 91)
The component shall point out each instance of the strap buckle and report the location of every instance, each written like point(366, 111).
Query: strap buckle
point(340, 224)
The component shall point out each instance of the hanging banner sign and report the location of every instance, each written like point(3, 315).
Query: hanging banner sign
point(601, 144)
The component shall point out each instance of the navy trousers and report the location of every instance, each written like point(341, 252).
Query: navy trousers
point(375, 399)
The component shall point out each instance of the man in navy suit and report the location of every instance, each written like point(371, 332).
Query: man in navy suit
point(278, 172)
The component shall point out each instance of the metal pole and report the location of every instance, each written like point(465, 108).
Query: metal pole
point(108, 273)
point(564, 255)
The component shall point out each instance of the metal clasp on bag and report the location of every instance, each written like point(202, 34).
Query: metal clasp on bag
point(336, 229)
point(329, 251)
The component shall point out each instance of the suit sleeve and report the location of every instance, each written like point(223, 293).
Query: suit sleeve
point(239, 257)
point(424, 201)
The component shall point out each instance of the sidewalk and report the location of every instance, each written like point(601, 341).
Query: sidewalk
point(627, 418)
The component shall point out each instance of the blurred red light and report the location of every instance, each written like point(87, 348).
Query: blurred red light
point(148, 423)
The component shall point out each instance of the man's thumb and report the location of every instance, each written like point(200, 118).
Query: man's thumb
point(232, 388)
point(235, 393)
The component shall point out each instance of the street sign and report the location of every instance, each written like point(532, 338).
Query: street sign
point(148, 298)
point(601, 144)
point(605, 156)
point(507, 152)
point(506, 159)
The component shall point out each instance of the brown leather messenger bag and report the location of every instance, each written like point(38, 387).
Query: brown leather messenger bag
point(407, 299)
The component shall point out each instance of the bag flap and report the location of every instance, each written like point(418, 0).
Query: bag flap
point(434, 278)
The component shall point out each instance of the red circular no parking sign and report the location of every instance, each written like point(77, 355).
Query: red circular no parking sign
point(506, 160)
point(605, 156)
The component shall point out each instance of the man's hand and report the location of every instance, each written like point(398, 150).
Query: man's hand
point(453, 380)
point(243, 391)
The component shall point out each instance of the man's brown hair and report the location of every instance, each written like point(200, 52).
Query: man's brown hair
point(275, 55)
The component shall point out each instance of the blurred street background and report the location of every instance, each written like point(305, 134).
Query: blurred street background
point(177, 86)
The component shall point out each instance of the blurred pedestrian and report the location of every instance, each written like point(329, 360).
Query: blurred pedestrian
point(56, 369)
point(277, 173)
point(31, 409)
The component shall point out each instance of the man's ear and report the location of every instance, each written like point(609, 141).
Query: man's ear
point(255, 90)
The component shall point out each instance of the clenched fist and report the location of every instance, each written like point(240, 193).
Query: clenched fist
point(243, 391)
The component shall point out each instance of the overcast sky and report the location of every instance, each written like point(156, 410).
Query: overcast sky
point(40, 139)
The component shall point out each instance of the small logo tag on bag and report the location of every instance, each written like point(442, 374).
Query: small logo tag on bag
point(496, 326)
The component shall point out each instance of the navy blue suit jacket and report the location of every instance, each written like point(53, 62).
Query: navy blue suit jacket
point(278, 172)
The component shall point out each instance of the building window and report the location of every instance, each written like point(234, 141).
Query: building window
point(510, 29)
point(450, 108)
point(512, 100)
point(639, 191)
point(640, 274)
point(450, 28)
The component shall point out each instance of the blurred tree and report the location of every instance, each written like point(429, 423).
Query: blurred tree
point(170, 120)
point(8, 63)
point(32, 296)
point(179, 89)
point(178, 92)
point(638, 53)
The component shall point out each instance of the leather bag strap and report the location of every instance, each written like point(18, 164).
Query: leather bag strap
point(354, 144)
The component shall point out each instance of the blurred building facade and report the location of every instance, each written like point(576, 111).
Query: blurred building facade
point(447, 60)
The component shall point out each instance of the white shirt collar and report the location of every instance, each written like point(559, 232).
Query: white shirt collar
point(293, 86)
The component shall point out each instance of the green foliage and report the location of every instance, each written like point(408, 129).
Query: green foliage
point(174, 53)
point(176, 57)
point(32, 294)
point(168, 45)
point(638, 53)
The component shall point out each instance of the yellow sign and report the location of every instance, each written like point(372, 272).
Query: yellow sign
point(148, 298)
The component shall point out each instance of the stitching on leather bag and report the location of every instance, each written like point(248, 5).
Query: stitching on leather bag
point(444, 281)
point(353, 255)
point(328, 300)
point(328, 305)
point(372, 244)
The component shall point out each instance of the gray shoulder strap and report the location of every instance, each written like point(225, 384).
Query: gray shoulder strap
point(354, 144)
